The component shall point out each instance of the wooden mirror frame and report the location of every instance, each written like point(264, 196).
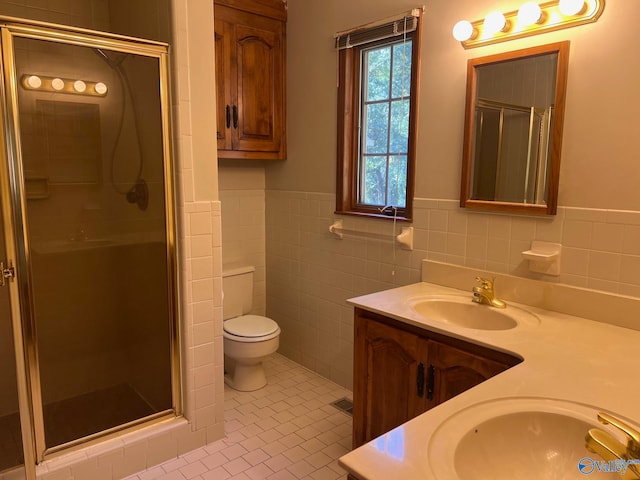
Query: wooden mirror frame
point(550, 208)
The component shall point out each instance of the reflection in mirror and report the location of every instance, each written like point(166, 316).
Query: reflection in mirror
point(513, 130)
point(72, 145)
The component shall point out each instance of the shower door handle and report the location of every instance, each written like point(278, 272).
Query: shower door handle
point(6, 273)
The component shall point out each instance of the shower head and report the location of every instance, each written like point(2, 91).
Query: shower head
point(113, 63)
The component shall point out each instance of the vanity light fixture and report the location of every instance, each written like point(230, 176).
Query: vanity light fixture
point(463, 30)
point(494, 22)
point(63, 85)
point(529, 14)
point(531, 18)
point(571, 7)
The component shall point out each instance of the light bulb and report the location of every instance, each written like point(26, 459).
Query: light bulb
point(79, 86)
point(571, 7)
point(463, 30)
point(57, 84)
point(34, 81)
point(529, 14)
point(494, 22)
point(100, 88)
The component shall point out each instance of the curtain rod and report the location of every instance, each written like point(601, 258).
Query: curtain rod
point(414, 12)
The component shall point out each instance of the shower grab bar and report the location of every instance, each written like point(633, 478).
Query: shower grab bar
point(404, 238)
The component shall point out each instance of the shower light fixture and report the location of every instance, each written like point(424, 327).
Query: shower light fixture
point(57, 84)
point(100, 88)
point(63, 85)
point(531, 19)
point(79, 86)
point(34, 81)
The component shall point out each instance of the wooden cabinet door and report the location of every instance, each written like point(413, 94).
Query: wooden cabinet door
point(452, 371)
point(260, 87)
point(388, 364)
point(250, 85)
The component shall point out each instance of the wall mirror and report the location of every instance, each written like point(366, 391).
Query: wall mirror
point(513, 130)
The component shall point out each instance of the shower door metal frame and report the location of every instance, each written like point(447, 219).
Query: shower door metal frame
point(16, 235)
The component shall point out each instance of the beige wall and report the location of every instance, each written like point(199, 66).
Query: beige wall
point(310, 273)
point(598, 167)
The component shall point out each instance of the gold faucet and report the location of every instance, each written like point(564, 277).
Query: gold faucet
point(484, 293)
point(602, 443)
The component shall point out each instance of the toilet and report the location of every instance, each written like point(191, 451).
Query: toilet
point(247, 339)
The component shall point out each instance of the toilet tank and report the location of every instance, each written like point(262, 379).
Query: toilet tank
point(237, 288)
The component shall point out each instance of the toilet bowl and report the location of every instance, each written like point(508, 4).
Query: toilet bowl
point(247, 339)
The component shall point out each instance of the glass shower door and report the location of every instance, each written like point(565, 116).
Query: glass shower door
point(91, 134)
point(11, 455)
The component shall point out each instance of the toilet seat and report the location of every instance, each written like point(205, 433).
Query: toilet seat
point(250, 328)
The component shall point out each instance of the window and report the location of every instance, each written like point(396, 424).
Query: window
point(377, 97)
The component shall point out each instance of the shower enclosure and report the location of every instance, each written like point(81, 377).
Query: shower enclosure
point(88, 333)
point(510, 152)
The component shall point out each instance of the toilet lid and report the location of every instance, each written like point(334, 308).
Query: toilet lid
point(250, 326)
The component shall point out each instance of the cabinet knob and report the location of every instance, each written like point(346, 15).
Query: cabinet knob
point(431, 379)
point(420, 380)
point(228, 116)
point(235, 116)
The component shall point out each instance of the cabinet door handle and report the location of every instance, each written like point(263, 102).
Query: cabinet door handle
point(228, 116)
point(235, 116)
point(431, 378)
point(420, 380)
point(6, 273)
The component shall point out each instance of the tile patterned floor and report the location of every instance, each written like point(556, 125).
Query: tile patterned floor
point(286, 431)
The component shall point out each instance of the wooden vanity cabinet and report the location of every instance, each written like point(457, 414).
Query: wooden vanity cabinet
point(250, 78)
point(387, 362)
point(457, 369)
point(401, 371)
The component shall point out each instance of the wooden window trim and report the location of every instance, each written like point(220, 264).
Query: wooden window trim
point(347, 137)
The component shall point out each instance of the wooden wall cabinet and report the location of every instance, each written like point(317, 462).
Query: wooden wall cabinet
point(401, 371)
point(250, 78)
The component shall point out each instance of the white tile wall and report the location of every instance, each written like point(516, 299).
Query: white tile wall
point(243, 237)
point(310, 273)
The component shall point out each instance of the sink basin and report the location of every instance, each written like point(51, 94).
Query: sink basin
point(517, 439)
point(462, 311)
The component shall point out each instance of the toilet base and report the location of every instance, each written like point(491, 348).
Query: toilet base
point(244, 377)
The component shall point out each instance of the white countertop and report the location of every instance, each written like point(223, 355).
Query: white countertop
point(566, 358)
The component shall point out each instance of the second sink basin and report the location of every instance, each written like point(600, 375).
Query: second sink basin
point(462, 311)
point(541, 445)
point(517, 439)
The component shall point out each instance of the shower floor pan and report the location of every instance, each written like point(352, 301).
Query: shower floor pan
point(74, 418)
